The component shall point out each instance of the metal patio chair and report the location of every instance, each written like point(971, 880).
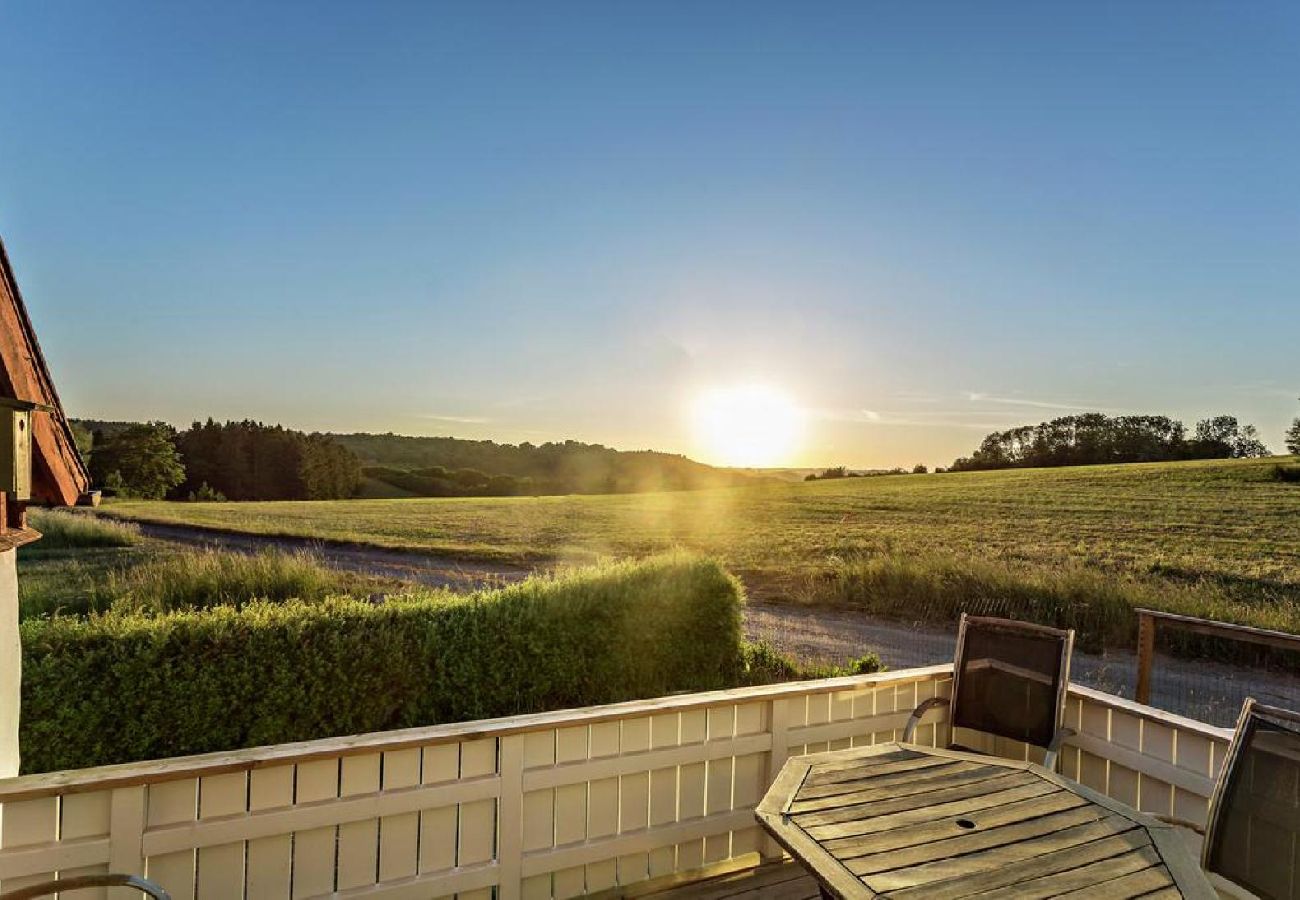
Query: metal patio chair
point(1009, 679)
point(1254, 819)
point(64, 887)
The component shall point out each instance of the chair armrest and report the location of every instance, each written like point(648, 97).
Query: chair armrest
point(1054, 748)
point(1178, 823)
point(915, 719)
point(60, 885)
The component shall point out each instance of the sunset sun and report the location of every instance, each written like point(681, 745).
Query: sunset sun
point(746, 425)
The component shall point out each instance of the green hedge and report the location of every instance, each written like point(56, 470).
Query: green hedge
point(116, 688)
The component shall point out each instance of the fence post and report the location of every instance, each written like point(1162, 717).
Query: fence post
point(778, 727)
point(1146, 655)
point(126, 815)
point(510, 817)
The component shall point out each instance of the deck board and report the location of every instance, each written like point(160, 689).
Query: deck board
point(779, 881)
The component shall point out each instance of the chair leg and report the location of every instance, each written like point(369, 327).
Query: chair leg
point(1054, 748)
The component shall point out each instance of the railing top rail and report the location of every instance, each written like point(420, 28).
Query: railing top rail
point(1151, 714)
point(26, 787)
point(1249, 633)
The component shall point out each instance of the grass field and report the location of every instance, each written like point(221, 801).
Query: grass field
point(1228, 520)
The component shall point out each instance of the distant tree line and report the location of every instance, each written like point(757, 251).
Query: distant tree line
point(252, 461)
point(1095, 438)
point(844, 472)
point(437, 481)
point(444, 466)
point(235, 460)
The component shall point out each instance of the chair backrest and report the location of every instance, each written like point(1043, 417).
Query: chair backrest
point(1010, 678)
point(1253, 835)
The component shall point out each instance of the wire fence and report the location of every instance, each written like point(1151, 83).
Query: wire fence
point(1202, 677)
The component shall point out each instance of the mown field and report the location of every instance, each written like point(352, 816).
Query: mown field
point(1227, 520)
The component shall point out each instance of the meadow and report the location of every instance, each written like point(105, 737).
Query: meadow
point(1226, 519)
point(1215, 537)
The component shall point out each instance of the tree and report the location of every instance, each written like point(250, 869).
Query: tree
point(919, 469)
point(1247, 444)
point(1222, 437)
point(84, 439)
point(139, 461)
point(1293, 437)
point(251, 461)
point(1095, 438)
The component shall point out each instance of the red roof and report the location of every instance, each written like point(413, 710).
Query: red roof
point(59, 476)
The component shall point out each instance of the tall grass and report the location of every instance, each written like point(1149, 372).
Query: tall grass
point(199, 579)
point(1097, 603)
point(150, 578)
point(64, 530)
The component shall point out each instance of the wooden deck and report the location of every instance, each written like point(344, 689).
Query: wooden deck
point(778, 881)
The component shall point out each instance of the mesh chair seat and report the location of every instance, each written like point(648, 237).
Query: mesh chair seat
point(1253, 836)
point(1009, 680)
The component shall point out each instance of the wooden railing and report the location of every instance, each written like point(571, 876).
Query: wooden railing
point(541, 806)
point(1149, 619)
point(550, 805)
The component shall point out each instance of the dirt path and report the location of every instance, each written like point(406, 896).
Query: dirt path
point(1196, 688)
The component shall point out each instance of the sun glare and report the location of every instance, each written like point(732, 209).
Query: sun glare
point(747, 425)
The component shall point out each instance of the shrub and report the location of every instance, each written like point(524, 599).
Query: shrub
point(130, 686)
point(206, 494)
point(763, 663)
point(63, 530)
point(1286, 473)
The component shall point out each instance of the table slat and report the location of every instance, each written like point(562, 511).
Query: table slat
point(826, 795)
point(1089, 877)
point(870, 768)
point(1138, 884)
point(983, 786)
point(1015, 873)
point(1036, 837)
point(918, 826)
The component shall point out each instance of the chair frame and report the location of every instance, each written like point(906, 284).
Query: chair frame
point(1028, 628)
point(1250, 711)
point(81, 882)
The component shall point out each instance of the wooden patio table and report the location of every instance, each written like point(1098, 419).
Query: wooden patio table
point(904, 821)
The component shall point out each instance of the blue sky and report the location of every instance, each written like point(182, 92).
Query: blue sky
point(542, 221)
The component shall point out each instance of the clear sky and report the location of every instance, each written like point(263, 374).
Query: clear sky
point(916, 222)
